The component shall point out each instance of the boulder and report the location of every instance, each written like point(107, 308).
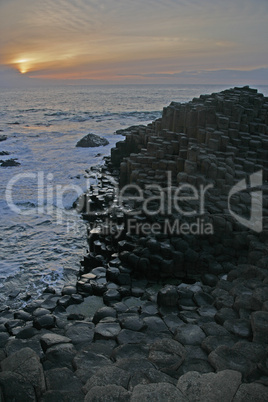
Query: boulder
point(168, 296)
point(167, 355)
point(107, 330)
point(107, 376)
point(80, 332)
point(63, 379)
point(12, 385)
point(209, 387)
point(86, 363)
point(157, 392)
point(127, 336)
point(60, 355)
point(50, 339)
point(27, 364)
point(108, 393)
point(9, 162)
point(259, 323)
point(189, 334)
point(251, 392)
point(91, 141)
point(224, 357)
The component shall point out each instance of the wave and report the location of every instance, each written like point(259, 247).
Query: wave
point(57, 114)
point(139, 115)
point(31, 110)
point(105, 116)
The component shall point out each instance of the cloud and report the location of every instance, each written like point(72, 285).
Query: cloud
point(152, 36)
point(256, 76)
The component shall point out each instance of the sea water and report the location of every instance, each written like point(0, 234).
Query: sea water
point(42, 238)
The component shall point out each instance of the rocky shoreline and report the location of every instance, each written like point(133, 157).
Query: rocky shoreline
point(158, 315)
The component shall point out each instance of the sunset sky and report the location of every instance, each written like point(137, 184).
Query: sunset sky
point(134, 41)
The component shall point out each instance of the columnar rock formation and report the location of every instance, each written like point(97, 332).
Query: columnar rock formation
point(222, 137)
point(158, 315)
point(214, 141)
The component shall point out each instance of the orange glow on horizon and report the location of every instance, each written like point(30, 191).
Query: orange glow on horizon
point(22, 65)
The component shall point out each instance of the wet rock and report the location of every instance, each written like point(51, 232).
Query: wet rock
point(207, 311)
point(111, 296)
point(108, 330)
point(189, 334)
point(157, 392)
point(50, 303)
point(125, 351)
point(168, 296)
point(49, 290)
point(203, 299)
point(137, 292)
point(13, 385)
point(251, 350)
point(189, 317)
point(3, 339)
point(3, 137)
point(86, 363)
point(61, 396)
point(59, 355)
point(45, 321)
point(134, 323)
point(128, 336)
point(209, 387)
point(213, 329)
point(259, 297)
point(148, 309)
point(63, 379)
point(202, 366)
point(142, 372)
point(113, 393)
point(104, 312)
point(210, 279)
point(68, 290)
point(212, 342)
point(11, 326)
point(23, 315)
point(80, 332)
point(172, 321)
point(107, 376)
point(9, 162)
point(50, 339)
point(14, 345)
point(167, 355)
point(76, 299)
point(259, 323)
point(156, 326)
point(92, 140)
point(75, 317)
point(40, 311)
point(26, 363)
point(251, 392)
point(225, 314)
point(224, 358)
point(239, 327)
point(64, 301)
point(27, 333)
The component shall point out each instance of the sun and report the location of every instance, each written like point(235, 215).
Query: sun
point(23, 65)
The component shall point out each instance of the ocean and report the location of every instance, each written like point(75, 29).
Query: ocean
point(42, 238)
